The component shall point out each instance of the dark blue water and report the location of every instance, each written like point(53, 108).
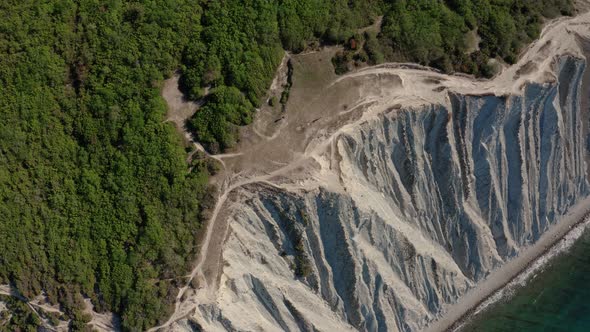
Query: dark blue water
point(557, 299)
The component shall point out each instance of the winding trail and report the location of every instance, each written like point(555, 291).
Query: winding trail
point(7, 290)
point(306, 135)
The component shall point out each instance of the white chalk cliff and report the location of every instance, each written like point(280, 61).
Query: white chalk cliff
point(421, 190)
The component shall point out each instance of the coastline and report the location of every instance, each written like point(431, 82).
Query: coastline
point(484, 294)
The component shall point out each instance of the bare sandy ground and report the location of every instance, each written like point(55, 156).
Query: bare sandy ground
point(582, 6)
point(179, 108)
point(453, 316)
point(37, 304)
point(283, 148)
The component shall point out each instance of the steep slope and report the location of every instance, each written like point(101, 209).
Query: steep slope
point(375, 216)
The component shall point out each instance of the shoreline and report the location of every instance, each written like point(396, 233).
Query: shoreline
point(471, 303)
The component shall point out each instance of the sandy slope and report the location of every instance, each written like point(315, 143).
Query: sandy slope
point(503, 275)
point(295, 143)
point(292, 144)
point(329, 106)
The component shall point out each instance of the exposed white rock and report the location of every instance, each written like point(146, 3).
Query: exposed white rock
point(402, 209)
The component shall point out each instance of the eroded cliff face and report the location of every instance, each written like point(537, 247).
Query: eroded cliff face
point(404, 213)
point(484, 177)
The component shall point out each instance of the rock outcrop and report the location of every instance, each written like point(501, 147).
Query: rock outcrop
point(407, 205)
point(431, 200)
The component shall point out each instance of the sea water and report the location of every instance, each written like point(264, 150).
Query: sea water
point(555, 298)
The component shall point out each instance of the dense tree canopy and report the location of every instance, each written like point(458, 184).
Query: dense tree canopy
point(95, 194)
point(434, 32)
point(242, 42)
point(451, 35)
point(225, 109)
point(96, 197)
point(241, 46)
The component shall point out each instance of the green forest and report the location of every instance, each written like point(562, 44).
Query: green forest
point(451, 35)
point(96, 197)
point(434, 32)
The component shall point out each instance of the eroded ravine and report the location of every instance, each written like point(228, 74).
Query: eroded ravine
point(395, 190)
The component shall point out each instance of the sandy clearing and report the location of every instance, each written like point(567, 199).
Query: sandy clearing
point(179, 108)
point(303, 139)
point(100, 321)
point(453, 315)
point(318, 112)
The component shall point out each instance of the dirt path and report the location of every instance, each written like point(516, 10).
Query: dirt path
point(208, 249)
point(35, 306)
point(375, 27)
point(281, 148)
